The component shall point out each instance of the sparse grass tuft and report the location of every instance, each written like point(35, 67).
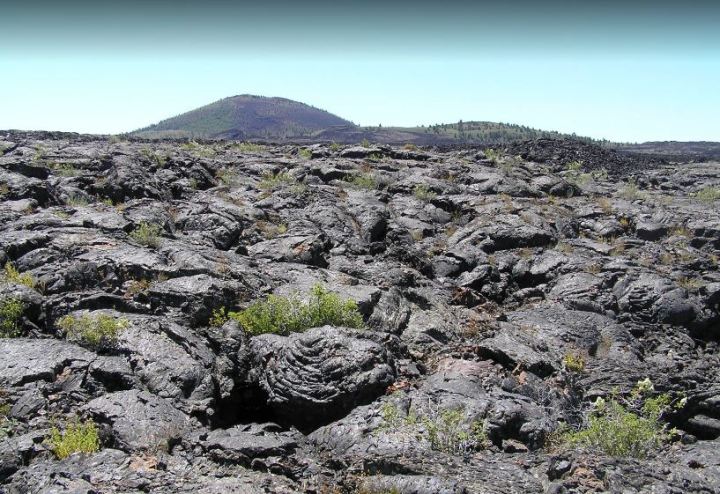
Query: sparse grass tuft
point(98, 332)
point(423, 192)
point(708, 194)
point(690, 284)
point(147, 234)
point(77, 437)
point(285, 315)
point(76, 201)
point(200, 150)
point(493, 155)
point(11, 310)
point(271, 230)
point(249, 147)
point(154, 157)
point(305, 153)
point(364, 181)
point(65, 169)
point(630, 191)
point(137, 287)
point(272, 181)
point(226, 176)
point(12, 275)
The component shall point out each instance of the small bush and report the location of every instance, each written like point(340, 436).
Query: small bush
point(305, 153)
point(249, 147)
point(625, 428)
point(365, 143)
point(374, 157)
point(65, 169)
point(219, 317)
point(271, 230)
point(493, 155)
point(227, 177)
point(7, 424)
point(154, 157)
point(200, 150)
point(285, 315)
point(12, 275)
point(272, 181)
point(98, 332)
point(335, 147)
point(630, 191)
point(76, 201)
point(364, 181)
point(708, 194)
point(11, 310)
point(76, 437)
point(574, 363)
point(422, 192)
point(448, 433)
point(574, 166)
point(137, 287)
point(447, 430)
point(147, 234)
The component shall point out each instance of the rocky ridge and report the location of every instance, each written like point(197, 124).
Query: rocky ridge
point(476, 273)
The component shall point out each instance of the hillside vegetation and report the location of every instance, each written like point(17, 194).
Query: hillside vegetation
point(244, 116)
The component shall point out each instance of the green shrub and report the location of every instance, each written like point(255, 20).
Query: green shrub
point(365, 143)
point(375, 157)
point(364, 181)
point(493, 155)
point(76, 437)
point(99, 331)
point(574, 166)
point(447, 430)
point(448, 433)
point(76, 201)
point(708, 194)
point(285, 315)
point(272, 181)
point(11, 310)
point(574, 363)
point(147, 234)
point(422, 192)
point(249, 147)
point(198, 149)
point(219, 317)
point(305, 153)
point(630, 191)
point(154, 157)
point(12, 275)
point(625, 428)
point(65, 169)
point(227, 177)
point(7, 424)
point(335, 147)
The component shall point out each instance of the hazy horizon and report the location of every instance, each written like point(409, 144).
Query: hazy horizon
point(636, 73)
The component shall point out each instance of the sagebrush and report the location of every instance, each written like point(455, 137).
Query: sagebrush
point(284, 315)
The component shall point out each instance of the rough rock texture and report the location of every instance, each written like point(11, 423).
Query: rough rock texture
point(476, 279)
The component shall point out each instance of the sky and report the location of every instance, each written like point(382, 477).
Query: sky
point(605, 69)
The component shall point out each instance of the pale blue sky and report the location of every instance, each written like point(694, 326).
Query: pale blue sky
point(644, 75)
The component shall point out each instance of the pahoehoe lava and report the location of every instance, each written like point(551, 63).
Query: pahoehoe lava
point(478, 274)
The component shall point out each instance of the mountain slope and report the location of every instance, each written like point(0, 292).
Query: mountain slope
point(245, 116)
